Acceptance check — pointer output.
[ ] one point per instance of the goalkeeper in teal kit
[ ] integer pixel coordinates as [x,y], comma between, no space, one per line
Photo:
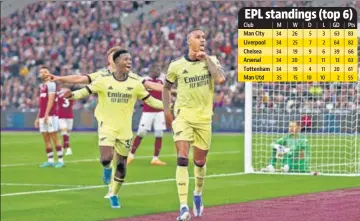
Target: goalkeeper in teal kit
[292,150]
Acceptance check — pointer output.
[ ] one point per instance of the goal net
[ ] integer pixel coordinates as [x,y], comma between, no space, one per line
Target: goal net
[328,116]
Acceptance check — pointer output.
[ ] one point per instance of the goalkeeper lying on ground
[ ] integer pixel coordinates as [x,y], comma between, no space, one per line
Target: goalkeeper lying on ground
[292,150]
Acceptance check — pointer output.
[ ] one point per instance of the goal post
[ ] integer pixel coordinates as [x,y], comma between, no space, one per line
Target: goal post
[248,167]
[328,114]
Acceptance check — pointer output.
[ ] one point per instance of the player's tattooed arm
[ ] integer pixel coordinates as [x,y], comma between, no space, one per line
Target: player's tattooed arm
[215,70]
[166,96]
[174,92]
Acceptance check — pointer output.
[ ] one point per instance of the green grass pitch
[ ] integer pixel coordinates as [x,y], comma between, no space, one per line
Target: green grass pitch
[76,191]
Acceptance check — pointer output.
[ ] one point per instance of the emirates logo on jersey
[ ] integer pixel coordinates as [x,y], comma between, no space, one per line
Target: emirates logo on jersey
[129,88]
[110,88]
[185,72]
[119,97]
[197,81]
[43,94]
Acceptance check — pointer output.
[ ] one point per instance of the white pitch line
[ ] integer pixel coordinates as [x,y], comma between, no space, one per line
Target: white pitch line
[93,160]
[39,184]
[19,142]
[30,164]
[102,186]
[31,142]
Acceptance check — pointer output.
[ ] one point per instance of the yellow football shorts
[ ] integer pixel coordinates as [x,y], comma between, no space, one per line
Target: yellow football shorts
[108,137]
[198,134]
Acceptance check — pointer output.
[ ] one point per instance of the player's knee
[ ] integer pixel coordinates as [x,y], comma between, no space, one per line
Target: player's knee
[142,132]
[48,146]
[121,170]
[182,161]
[158,133]
[199,163]
[64,132]
[105,162]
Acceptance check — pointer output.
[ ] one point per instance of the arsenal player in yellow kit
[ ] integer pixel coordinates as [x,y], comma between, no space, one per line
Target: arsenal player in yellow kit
[117,94]
[195,74]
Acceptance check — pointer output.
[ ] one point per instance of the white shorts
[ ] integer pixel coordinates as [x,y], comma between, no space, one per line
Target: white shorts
[148,119]
[66,123]
[51,126]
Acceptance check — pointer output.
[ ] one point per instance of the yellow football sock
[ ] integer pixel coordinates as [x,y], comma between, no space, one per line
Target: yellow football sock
[199,173]
[116,185]
[182,182]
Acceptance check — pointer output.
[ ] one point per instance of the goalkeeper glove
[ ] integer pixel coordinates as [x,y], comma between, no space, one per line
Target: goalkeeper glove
[280,150]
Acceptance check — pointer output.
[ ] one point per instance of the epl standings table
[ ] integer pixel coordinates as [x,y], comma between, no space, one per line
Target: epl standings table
[297,44]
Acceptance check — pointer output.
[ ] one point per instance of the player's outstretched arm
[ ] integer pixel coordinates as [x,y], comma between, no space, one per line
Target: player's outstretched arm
[153,102]
[144,95]
[153,86]
[78,94]
[75,79]
[215,70]
[95,87]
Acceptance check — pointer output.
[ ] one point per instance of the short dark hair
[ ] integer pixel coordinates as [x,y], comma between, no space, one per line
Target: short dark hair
[118,53]
[113,49]
[194,29]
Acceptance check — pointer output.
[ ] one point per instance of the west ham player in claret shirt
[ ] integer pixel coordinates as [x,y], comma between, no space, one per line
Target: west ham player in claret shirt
[47,120]
[65,112]
[151,117]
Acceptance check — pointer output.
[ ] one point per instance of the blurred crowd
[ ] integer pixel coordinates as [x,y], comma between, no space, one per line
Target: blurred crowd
[73,37]
[306,97]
